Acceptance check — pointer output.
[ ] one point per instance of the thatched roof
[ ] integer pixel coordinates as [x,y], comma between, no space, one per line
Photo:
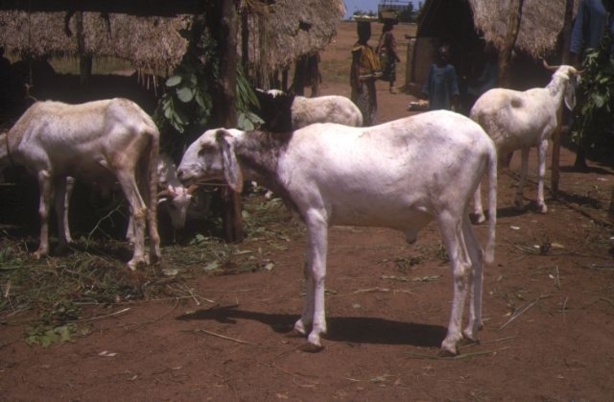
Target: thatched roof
[301,27]
[291,28]
[147,42]
[540,26]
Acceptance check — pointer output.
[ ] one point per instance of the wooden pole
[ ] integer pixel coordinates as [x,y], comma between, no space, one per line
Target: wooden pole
[233,220]
[556,136]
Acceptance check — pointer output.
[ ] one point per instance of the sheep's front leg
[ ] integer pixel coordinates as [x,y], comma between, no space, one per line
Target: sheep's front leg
[541,172]
[524,167]
[46,194]
[315,274]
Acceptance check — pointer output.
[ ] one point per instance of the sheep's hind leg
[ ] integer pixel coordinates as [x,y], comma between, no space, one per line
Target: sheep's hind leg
[452,232]
[474,323]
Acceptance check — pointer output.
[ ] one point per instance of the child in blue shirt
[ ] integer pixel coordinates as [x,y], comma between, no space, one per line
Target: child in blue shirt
[441,86]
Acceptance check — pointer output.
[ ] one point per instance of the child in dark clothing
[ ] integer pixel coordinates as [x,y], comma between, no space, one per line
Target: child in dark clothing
[441,86]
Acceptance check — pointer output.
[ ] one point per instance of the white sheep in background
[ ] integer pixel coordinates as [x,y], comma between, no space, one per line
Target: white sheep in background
[103,142]
[400,175]
[286,112]
[523,120]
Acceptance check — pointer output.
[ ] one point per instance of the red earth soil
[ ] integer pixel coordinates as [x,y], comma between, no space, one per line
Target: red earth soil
[548,309]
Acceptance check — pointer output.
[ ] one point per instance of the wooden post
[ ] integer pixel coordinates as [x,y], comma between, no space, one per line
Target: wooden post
[556,136]
[223,22]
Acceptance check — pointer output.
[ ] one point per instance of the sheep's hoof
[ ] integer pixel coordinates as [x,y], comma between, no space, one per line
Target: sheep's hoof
[311,348]
[469,341]
[445,352]
[477,218]
[295,334]
[38,254]
[449,346]
[135,263]
[542,208]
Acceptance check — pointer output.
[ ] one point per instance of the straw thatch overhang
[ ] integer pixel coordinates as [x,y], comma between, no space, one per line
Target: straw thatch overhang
[146,42]
[279,31]
[466,20]
[160,8]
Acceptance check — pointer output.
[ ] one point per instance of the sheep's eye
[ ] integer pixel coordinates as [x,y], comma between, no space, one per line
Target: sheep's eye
[205,149]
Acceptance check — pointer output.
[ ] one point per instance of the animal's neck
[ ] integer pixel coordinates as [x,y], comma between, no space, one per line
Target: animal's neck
[556,87]
[258,154]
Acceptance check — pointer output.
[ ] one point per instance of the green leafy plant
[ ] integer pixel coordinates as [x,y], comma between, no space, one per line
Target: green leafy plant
[189,97]
[596,96]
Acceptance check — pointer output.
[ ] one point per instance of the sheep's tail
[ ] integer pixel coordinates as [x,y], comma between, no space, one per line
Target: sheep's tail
[489,254]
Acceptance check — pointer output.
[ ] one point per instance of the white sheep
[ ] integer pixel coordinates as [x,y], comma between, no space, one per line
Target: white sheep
[103,142]
[400,175]
[523,120]
[286,112]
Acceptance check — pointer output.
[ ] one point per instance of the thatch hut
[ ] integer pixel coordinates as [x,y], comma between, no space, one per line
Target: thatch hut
[464,24]
[277,34]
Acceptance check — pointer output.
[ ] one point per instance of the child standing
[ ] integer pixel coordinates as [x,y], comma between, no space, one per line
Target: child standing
[441,86]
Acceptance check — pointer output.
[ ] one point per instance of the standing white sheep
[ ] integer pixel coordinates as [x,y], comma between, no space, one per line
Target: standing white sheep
[524,120]
[401,175]
[282,111]
[103,142]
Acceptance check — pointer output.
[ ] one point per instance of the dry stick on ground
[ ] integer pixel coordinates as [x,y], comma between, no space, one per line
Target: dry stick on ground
[117,208]
[521,311]
[102,317]
[457,357]
[204,331]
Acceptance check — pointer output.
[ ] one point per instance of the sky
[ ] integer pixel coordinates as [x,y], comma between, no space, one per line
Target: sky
[368,5]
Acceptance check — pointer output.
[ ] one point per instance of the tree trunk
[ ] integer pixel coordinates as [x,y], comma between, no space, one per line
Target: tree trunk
[556,137]
[505,53]
[223,23]
[85,60]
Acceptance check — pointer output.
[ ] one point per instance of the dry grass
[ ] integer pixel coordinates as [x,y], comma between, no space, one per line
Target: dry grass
[50,293]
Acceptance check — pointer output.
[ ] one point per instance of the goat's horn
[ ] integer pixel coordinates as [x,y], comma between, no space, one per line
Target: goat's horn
[548,66]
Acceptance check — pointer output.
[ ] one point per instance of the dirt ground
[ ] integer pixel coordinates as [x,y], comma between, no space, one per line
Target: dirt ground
[548,309]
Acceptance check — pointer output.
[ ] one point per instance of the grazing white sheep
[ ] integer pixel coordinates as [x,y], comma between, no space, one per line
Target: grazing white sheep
[174,196]
[400,175]
[103,142]
[286,112]
[524,120]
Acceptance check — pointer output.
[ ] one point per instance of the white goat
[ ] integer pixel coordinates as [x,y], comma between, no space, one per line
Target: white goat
[102,141]
[400,175]
[523,120]
[286,112]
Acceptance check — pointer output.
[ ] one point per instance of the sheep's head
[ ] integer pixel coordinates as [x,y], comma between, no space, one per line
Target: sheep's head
[212,157]
[275,110]
[570,75]
[177,200]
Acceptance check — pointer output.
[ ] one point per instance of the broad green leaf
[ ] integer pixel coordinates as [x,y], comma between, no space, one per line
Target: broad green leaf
[173,81]
[185,94]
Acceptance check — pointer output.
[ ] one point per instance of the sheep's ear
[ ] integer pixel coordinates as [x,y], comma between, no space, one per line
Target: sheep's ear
[570,92]
[232,169]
